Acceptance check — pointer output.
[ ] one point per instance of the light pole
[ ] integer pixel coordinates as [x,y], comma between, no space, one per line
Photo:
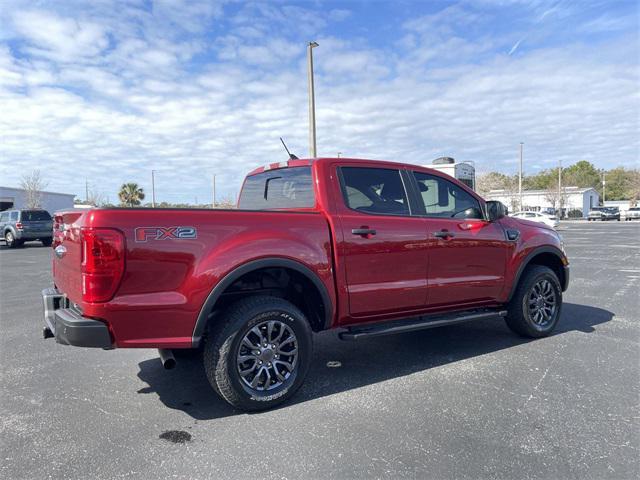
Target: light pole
[560,188]
[604,182]
[520,176]
[153,189]
[312,101]
[214,191]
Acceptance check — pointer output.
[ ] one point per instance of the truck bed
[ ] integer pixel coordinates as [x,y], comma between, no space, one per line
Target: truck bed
[167,278]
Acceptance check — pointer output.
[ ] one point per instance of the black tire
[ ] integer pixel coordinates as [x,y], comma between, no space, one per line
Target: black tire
[10,239]
[224,344]
[520,318]
[47,242]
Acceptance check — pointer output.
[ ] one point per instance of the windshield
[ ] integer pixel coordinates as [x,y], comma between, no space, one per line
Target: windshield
[35,216]
[278,189]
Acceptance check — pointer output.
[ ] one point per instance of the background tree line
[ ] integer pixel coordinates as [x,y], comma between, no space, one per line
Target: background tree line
[621,183]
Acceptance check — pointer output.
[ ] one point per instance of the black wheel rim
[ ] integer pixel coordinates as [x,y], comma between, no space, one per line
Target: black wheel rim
[542,303]
[268,355]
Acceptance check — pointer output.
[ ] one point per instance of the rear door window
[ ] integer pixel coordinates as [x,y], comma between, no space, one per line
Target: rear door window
[374,190]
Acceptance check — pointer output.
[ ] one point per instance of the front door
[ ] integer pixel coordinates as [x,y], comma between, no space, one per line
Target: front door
[467,254]
[383,246]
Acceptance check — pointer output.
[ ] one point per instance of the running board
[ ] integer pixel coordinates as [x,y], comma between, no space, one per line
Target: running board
[420,323]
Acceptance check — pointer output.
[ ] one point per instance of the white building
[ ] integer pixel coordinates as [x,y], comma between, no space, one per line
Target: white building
[50,201]
[574,198]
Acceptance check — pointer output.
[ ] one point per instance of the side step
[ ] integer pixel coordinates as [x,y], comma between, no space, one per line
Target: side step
[419,323]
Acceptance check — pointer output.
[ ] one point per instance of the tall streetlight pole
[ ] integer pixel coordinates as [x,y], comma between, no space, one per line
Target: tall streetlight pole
[312,101]
[604,182]
[560,188]
[153,189]
[214,191]
[520,176]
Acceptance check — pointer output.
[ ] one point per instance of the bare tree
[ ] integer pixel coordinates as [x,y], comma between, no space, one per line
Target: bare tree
[33,184]
[557,199]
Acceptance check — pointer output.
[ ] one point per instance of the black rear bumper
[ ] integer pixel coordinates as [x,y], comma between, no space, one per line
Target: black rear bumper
[69,327]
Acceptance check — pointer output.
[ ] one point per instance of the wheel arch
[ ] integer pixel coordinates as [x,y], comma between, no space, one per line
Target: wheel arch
[255,266]
[546,256]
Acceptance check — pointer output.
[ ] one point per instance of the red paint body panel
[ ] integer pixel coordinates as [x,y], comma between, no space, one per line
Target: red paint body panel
[402,270]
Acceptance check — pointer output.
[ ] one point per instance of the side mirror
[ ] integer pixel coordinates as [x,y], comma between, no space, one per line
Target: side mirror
[496,210]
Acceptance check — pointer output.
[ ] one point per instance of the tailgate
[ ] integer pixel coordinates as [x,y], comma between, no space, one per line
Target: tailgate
[67,254]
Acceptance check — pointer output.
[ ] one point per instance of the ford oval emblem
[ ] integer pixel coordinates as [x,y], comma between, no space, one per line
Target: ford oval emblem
[60,251]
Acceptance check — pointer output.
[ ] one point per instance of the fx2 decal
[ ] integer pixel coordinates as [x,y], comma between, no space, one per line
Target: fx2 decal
[165,233]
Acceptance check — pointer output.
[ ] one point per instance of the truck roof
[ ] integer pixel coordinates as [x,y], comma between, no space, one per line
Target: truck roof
[308,161]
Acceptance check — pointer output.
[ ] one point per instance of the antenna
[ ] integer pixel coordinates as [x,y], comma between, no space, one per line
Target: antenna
[291,155]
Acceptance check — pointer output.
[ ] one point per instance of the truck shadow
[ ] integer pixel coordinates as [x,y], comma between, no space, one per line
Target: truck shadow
[362,363]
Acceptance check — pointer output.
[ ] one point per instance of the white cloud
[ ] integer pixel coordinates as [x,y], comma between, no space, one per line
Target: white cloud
[59,38]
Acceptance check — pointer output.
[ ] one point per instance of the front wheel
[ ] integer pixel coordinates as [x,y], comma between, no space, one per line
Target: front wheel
[536,305]
[258,352]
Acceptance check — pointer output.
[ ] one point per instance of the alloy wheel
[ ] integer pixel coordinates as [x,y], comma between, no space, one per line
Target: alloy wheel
[268,355]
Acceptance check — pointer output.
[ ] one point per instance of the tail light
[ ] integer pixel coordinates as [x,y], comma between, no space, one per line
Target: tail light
[19,225]
[102,263]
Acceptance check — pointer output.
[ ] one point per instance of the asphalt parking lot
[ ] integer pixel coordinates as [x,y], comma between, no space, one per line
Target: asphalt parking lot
[465,401]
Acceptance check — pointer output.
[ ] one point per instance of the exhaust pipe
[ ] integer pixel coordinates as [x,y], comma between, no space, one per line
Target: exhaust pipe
[167,358]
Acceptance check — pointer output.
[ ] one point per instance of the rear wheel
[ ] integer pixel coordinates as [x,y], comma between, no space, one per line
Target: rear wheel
[10,239]
[536,305]
[258,352]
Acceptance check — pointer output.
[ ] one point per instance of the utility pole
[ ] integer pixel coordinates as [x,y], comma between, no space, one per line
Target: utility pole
[604,182]
[86,190]
[312,101]
[153,189]
[214,191]
[520,176]
[560,187]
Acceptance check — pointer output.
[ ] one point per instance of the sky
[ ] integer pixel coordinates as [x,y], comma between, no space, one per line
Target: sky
[106,91]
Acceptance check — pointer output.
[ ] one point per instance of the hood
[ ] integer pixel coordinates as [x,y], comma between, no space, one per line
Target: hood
[529,223]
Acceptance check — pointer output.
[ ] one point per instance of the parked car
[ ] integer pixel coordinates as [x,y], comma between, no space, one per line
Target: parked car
[368,247]
[610,213]
[550,220]
[19,226]
[632,214]
[595,213]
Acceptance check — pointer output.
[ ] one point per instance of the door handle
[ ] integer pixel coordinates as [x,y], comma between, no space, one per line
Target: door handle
[444,234]
[363,231]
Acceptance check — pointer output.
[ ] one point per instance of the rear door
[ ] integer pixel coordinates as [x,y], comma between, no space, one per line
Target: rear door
[467,254]
[383,246]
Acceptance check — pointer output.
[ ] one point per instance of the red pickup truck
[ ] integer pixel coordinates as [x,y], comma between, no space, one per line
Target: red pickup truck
[368,247]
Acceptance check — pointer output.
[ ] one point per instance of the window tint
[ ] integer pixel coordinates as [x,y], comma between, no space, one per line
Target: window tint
[4,217]
[282,188]
[374,190]
[14,216]
[444,199]
[35,216]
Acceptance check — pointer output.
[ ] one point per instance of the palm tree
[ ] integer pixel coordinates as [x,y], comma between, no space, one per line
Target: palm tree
[130,194]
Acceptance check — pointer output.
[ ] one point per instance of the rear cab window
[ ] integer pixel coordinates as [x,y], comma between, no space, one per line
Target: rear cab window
[281,189]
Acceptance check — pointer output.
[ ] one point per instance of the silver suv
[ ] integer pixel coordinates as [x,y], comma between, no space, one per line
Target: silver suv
[19,226]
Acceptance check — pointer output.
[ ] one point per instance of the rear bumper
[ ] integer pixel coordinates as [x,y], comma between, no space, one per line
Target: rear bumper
[69,327]
[22,235]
